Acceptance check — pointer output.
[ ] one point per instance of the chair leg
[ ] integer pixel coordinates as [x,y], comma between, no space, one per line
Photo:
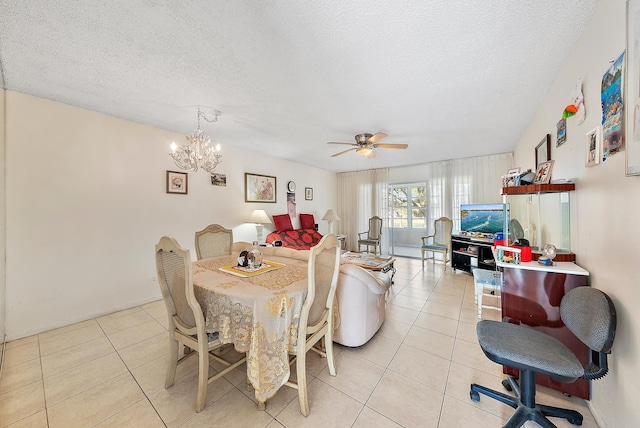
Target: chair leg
[173,361]
[203,375]
[301,374]
[524,403]
[328,338]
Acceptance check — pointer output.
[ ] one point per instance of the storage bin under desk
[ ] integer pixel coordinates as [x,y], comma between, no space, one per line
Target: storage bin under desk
[531,296]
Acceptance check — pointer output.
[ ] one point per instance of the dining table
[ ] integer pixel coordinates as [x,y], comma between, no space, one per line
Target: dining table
[257,311]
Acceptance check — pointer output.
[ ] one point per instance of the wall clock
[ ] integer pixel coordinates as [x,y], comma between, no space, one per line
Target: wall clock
[291,186]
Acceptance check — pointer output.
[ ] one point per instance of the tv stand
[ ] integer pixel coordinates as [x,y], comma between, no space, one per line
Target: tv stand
[468,253]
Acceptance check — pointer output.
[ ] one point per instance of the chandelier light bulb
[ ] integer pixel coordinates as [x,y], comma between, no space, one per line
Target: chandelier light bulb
[174,147]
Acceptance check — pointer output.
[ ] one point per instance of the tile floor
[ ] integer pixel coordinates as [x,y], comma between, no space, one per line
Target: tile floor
[109,372]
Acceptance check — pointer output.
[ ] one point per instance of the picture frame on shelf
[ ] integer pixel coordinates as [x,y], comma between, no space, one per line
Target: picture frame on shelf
[260,188]
[308,194]
[177,182]
[543,151]
[514,171]
[543,173]
[594,149]
[632,90]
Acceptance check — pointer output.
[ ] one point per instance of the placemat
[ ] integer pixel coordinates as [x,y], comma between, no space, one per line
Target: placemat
[236,270]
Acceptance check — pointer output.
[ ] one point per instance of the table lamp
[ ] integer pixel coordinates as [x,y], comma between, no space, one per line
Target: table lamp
[259,217]
[331,217]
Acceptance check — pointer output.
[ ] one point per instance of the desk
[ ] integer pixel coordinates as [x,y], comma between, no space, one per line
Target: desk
[258,315]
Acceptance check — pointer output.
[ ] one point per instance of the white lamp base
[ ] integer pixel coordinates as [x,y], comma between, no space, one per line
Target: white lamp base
[259,228]
[330,226]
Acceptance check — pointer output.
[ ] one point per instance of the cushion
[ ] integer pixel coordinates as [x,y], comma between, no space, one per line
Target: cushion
[282,222]
[307,221]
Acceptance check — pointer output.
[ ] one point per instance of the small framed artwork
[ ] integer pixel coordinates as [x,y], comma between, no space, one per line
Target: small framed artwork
[177,182]
[514,171]
[308,194]
[562,132]
[543,174]
[259,188]
[543,151]
[593,147]
[218,179]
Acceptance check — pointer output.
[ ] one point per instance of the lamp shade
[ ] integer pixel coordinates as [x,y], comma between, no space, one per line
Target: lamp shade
[259,216]
[331,216]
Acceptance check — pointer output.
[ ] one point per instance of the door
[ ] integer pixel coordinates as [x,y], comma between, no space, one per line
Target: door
[407,218]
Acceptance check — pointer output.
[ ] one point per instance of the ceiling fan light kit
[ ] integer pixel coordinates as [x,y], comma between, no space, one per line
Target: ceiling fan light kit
[365,143]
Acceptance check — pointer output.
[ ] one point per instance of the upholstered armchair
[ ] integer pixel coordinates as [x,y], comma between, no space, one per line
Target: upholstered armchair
[440,240]
[371,238]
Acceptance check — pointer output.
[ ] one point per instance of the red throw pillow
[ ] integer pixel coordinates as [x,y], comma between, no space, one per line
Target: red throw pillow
[307,221]
[282,222]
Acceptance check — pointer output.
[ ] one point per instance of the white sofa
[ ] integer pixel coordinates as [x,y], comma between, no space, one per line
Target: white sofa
[362,301]
[361,293]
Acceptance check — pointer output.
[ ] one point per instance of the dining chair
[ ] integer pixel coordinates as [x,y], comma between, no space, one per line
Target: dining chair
[371,237]
[213,241]
[316,319]
[440,240]
[186,319]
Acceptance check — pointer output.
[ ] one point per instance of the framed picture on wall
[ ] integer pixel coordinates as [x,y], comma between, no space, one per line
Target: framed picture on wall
[543,150]
[593,147]
[562,131]
[308,194]
[259,188]
[177,182]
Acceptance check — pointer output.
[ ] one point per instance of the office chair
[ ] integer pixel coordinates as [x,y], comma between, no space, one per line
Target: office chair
[589,314]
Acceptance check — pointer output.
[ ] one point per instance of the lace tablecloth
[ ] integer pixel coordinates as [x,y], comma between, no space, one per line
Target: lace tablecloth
[259,315]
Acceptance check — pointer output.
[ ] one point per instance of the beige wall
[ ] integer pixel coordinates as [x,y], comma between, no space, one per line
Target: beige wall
[605,236]
[3,282]
[86,204]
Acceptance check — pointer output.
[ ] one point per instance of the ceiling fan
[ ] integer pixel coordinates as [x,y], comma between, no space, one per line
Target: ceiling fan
[365,143]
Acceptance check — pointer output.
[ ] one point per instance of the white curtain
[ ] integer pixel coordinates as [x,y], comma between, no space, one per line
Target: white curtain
[464,181]
[362,195]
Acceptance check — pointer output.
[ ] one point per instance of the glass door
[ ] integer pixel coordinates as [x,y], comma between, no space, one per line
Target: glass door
[407,218]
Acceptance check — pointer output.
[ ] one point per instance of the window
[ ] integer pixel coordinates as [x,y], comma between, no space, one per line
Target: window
[408,206]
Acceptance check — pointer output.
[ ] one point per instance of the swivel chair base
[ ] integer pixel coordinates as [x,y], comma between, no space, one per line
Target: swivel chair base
[524,403]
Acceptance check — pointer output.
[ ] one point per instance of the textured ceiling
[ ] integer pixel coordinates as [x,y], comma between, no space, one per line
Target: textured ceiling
[452,78]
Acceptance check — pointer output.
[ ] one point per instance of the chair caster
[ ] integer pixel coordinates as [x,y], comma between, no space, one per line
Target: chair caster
[507,385]
[575,421]
[475,396]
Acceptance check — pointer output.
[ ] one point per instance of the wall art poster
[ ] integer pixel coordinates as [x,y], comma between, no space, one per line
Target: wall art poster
[562,131]
[632,89]
[612,108]
[291,204]
[218,179]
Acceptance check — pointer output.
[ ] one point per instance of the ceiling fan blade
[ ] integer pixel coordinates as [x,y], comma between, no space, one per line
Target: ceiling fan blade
[390,146]
[341,153]
[348,144]
[374,138]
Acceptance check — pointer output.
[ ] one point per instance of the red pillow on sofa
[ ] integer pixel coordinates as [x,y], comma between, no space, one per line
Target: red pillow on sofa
[282,222]
[307,221]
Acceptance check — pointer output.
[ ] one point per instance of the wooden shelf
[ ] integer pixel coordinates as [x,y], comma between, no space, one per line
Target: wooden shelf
[538,188]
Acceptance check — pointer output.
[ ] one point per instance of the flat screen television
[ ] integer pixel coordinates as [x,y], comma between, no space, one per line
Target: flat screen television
[485,219]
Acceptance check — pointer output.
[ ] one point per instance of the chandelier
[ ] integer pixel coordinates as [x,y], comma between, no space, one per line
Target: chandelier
[197,152]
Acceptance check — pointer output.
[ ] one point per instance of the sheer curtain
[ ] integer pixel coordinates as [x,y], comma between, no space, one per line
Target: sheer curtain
[362,195]
[464,181]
